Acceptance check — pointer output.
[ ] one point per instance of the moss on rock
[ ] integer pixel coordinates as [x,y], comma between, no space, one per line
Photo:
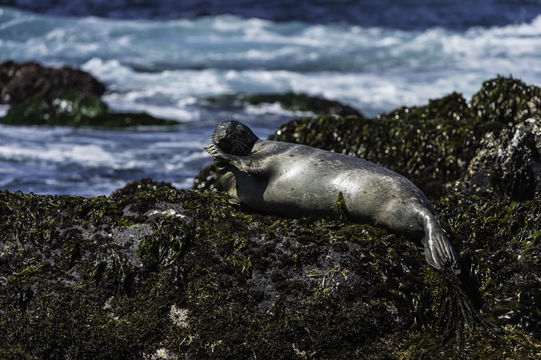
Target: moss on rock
[505,101]
[508,164]
[73,108]
[19,82]
[153,270]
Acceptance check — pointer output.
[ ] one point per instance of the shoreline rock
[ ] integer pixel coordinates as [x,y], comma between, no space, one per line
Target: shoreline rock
[41,95]
[152,269]
[19,82]
[289,101]
[72,108]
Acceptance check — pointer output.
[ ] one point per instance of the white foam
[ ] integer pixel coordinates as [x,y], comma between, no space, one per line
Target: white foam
[383,67]
[90,155]
[274,109]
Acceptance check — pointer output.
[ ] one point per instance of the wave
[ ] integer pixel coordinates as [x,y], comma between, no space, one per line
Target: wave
[166,66]
[229,42]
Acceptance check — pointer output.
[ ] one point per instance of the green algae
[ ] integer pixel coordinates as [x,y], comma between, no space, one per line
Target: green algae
[72,108]
[504,101]
[249,285]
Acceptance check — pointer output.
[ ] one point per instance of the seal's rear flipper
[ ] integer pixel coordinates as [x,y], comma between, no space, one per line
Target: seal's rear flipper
[439,252]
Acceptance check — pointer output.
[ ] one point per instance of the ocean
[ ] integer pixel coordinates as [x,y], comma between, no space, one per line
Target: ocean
[168,59]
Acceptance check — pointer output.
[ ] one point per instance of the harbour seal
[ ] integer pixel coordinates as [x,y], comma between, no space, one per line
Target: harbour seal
[299,180]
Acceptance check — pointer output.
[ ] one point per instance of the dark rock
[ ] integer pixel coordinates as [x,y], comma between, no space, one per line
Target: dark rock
[154,269]
[72,108]
[508,164]
[288,101]
[505,101]
[19,82]
[302,102]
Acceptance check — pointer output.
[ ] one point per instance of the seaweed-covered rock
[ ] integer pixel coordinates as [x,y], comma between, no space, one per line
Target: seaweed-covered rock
[73,108]
[302,102]
[154,271]
[288,101]
[508,164]
[505,101]
[19,82]
[207,180]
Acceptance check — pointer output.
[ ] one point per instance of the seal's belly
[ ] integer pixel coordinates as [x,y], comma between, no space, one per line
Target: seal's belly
[306,191]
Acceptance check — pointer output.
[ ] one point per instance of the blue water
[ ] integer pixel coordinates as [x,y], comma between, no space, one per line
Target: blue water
[167,59]
[398,14]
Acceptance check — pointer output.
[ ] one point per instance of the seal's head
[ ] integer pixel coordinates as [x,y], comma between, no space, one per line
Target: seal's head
[234,138]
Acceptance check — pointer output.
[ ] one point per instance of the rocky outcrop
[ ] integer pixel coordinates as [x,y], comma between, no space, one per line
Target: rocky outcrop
[73,108]
[302,102]
[61,97]
[508,164]
[288,101]
[19,82]
[153,270]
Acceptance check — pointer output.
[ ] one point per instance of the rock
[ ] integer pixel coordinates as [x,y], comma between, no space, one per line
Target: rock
[19,82]
[508,164]
[288,101]
[302,102]
[155,270]
[72,108]
[207,180]
[505,101]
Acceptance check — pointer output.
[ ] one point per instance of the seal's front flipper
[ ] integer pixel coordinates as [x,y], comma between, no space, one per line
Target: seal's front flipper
[215,151]
[247,165]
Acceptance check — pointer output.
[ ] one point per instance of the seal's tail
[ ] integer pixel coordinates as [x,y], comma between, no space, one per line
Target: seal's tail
[439,252]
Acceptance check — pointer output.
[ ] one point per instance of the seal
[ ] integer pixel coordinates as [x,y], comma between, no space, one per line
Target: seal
[298,180]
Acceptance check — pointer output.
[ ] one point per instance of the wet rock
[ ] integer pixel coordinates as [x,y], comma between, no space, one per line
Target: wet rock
[288,101]
[73,108]
[302,102]
[207,180]
[505,101]
[508,164]
[19,82]
[155,270]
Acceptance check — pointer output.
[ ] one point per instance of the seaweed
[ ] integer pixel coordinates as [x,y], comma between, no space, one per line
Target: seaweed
[154,270]
[73,108]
